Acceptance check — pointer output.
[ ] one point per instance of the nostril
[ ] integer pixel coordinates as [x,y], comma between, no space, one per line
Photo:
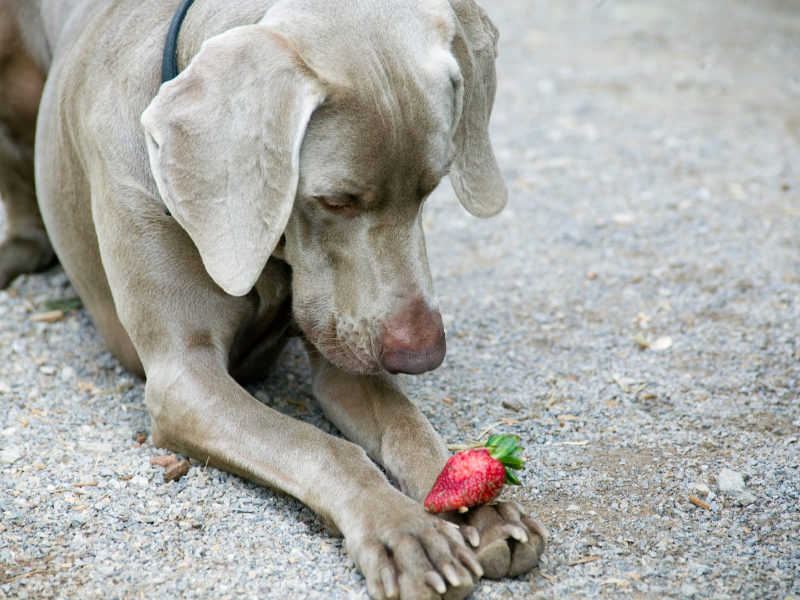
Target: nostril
[414,362]
[414,341]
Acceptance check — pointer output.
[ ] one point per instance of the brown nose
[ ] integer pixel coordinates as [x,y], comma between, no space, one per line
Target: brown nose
[413,341]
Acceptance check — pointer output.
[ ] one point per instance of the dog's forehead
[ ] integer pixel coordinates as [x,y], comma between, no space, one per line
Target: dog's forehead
[344,39]
[344,18]
[389,73]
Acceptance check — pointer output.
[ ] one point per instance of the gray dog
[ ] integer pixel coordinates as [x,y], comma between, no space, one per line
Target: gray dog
[273,188]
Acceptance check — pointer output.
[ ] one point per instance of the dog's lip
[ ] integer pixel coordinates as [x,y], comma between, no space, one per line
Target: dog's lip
[338,351]
[349,361]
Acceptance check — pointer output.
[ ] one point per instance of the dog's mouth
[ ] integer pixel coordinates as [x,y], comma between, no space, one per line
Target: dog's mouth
[349,346]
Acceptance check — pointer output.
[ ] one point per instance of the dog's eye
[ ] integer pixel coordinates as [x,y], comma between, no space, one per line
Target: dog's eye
[346,204]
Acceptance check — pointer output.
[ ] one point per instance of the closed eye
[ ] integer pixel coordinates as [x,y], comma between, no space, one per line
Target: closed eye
[343,204]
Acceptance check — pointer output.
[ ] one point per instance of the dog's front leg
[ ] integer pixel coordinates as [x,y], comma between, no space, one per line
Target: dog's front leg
[374,412]
[403,552]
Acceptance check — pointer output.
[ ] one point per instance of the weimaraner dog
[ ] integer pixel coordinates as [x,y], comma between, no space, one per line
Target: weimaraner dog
[273,188]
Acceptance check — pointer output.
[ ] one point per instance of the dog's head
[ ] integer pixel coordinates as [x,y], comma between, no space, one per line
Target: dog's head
[317,134]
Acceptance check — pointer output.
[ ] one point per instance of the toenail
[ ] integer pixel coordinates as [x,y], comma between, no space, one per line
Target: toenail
[436,582]
[450,573]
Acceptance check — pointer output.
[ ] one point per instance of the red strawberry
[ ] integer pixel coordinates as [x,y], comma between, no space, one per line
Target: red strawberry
[476,476]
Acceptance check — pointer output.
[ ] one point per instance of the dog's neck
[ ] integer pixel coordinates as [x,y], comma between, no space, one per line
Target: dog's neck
[169,64]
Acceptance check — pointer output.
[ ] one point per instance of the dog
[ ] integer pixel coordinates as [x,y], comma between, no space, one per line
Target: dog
[272,189]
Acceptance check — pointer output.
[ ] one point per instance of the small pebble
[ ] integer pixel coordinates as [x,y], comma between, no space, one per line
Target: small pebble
[746,498]
[10,455]
[95,447]
[730,482]
[164,461]
[176,470]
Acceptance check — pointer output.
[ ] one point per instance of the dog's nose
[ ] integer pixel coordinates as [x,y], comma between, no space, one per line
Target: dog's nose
[413,341]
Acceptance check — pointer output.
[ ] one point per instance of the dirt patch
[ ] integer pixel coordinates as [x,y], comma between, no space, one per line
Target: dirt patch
[616,479]
[622,461]
[27,570]
[778,425]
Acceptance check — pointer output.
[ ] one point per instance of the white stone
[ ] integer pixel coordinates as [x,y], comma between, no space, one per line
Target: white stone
[10,455]
[67,374]
[746,498]
[623,219]
[48,370]
[94,447]
[574,508]
[4,388]
[730,482]
[702,489]
[662,343]
[140,481]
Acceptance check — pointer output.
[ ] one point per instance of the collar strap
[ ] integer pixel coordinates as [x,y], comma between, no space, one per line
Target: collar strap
[169,64]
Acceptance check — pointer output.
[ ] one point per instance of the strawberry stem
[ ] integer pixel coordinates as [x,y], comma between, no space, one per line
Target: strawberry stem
[506,449]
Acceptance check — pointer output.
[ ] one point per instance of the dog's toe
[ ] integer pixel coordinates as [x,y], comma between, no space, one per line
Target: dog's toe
[510,542]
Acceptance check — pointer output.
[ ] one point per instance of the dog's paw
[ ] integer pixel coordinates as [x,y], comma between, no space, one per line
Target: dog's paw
[20,255]
[409,554]
[507,541]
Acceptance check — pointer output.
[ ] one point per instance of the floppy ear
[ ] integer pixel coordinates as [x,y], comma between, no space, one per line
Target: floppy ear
[224,142]
[474,173]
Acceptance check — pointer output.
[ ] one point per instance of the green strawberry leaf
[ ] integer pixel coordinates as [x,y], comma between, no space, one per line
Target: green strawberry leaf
[506,446]
[512,462]
[506,449]
[492,441]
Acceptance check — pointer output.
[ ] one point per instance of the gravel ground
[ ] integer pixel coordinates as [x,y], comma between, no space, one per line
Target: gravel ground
[633,316]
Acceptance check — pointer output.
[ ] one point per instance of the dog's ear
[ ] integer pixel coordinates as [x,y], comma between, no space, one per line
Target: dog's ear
[475,174]
[224,142]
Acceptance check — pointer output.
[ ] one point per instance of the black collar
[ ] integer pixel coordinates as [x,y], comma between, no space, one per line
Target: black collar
[169,64]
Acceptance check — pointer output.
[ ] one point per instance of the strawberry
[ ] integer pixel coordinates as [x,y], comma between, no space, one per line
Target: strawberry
[476,476]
